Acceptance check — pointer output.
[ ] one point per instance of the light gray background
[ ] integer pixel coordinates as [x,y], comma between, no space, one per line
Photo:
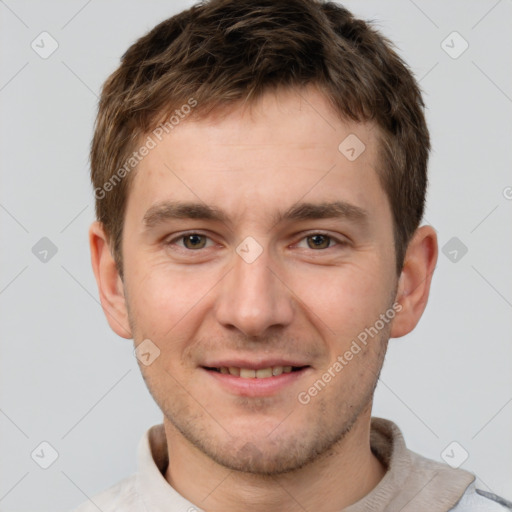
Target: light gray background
[68,380]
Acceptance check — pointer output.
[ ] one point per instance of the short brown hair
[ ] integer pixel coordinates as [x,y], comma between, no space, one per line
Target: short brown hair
[221,52]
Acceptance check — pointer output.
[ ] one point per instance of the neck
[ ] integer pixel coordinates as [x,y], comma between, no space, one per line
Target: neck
[335,480]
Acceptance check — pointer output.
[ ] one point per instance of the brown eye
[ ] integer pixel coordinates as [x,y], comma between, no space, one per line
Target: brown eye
[319,241]
[193,241]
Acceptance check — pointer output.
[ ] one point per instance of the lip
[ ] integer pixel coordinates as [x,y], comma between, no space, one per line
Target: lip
[253,364]
[254,387]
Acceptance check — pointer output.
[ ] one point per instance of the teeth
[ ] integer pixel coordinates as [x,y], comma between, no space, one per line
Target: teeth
[262,373]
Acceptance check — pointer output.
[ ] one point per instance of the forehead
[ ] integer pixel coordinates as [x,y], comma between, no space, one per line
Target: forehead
[263,157]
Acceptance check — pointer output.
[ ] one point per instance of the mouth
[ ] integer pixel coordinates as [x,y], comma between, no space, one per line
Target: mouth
[252,373]
[259,381]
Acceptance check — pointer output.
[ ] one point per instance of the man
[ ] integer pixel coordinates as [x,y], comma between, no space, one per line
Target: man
[259,169]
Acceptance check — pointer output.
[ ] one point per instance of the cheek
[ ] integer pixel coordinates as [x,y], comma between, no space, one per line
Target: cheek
[162,300]
[343,301]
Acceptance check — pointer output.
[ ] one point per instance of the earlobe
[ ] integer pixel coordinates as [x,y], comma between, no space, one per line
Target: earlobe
[415,279]
[110,285]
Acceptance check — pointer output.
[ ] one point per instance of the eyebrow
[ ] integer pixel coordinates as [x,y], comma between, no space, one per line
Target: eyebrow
[168,210]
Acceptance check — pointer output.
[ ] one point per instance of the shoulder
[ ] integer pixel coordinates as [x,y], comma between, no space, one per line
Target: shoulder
[121,497]
[476,500]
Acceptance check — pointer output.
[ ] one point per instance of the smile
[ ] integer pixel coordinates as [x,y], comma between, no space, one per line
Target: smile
[249,373]
[255,382]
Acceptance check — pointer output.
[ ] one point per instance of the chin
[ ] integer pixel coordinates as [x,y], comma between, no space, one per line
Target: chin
[263,462]
[266,456]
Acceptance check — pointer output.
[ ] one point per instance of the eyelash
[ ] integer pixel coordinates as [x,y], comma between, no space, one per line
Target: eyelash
[337,241]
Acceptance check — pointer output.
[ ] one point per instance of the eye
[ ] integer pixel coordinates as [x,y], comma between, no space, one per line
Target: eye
[191,241]
[321,241]
[194,241]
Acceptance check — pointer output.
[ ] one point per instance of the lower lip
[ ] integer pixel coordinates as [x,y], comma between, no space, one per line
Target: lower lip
[256,387]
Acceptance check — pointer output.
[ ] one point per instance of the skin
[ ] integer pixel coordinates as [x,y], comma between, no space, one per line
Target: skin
[294,300]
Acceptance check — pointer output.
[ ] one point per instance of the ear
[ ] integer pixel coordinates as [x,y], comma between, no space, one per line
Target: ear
[110,285]
[415,278]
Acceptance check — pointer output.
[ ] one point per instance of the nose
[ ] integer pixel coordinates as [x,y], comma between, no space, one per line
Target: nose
[253,297]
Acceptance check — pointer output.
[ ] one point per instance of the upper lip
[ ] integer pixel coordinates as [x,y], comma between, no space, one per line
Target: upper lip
[253,364]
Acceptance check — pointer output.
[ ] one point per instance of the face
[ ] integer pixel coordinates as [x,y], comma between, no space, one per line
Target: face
[252,244]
